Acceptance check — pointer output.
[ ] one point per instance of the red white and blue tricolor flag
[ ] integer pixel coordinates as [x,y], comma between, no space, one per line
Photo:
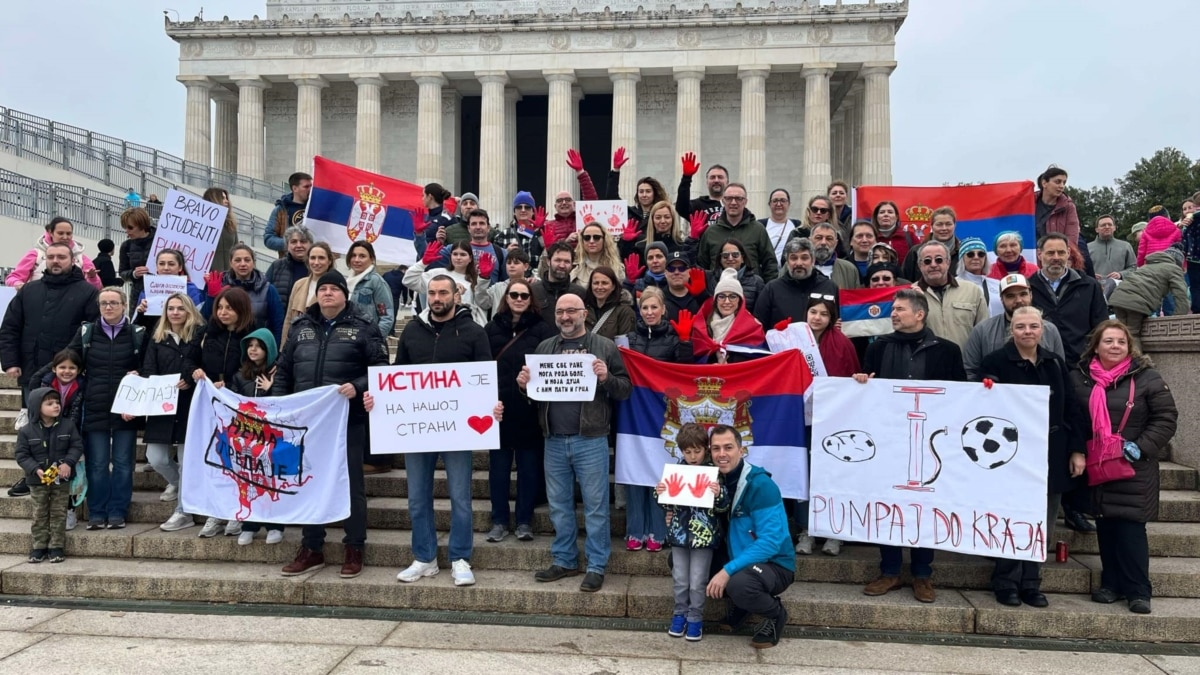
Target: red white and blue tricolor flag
[348,204]
[763,399]
[866,311]
[983,210]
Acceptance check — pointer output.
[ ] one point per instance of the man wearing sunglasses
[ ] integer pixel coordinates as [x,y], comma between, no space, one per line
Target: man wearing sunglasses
[685,290]
[941,229]
[736,222]
[954,308]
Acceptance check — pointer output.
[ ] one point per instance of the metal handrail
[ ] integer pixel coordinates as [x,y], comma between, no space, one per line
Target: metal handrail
[134,157]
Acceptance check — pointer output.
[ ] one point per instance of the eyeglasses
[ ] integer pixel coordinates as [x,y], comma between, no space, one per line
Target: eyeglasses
[727,297]
[593,237]
[779,201]
[677,269]
[563,200]
[731,255]
[821,296]
[936,260]
[523,207]
[515,295]
[111,303]
[975,254]
[735,200]
[570,311]
[818,209]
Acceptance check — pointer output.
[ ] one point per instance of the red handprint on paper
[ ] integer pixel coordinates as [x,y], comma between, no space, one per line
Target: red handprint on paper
[702,483]
[675,484]
[614,222]
[586,211]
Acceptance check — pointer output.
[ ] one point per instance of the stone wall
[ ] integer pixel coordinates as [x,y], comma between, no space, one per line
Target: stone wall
[1173,342]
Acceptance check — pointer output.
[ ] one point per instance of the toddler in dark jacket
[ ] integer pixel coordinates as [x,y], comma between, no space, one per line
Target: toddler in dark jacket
[47,450]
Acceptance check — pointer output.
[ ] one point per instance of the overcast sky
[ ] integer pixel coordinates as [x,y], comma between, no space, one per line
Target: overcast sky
[987,90]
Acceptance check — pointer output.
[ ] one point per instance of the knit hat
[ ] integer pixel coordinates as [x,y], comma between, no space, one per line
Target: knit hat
[971,244]
[523,198]
[1004,235]
[1176,253]
[1137,227]
[729,284]
[883,267]
[658,246]
[464,197]
[1011,280]
[334,277]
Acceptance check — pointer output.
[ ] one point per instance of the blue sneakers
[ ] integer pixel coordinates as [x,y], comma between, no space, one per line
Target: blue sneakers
[677,624]
[695,631]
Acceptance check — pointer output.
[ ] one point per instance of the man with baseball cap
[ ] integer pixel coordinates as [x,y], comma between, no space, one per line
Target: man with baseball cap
[991,335]
[687,288]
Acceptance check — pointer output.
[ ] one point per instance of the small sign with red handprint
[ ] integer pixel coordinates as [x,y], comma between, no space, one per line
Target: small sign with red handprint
[688,485]
[612,214]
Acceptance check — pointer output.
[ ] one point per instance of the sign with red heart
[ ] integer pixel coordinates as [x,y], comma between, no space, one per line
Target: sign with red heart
[434,408]
[480,424]
[154,395]
[168,407]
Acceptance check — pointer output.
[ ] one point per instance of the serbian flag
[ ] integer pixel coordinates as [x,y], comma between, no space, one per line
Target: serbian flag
[763,399]
[867,311]
[348,204]
[983,210]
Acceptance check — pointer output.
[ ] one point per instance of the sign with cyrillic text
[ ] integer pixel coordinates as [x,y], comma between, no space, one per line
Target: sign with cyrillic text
[154,395]
[434,408]
[561,377]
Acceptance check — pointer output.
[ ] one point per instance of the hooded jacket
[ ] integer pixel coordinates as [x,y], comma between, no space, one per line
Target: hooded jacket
[752,284]
[1063,219]
[1144,289]
[287,212]
[283,275]
[135,253]
[220,352]
[787,298]
[40,446]
[760,252]
[170,356]
[249,386]
[696,527]
[32,264]
[43,317]
[758,529]
[1160,234]
[509,343]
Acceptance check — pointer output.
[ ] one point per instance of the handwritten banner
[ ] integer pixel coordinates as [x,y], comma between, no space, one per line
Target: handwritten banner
[946,465]
[154,395]
[561,377]
[612,214]
[433,408]
[192,226]
[688,485]
[159,287]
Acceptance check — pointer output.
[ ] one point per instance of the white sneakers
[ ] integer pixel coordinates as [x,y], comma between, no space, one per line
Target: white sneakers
[71,520]
[460,570]
[177,521]
[211,528]
[420,569]
[170,494]
[804,543]
[246,538]
[274,536]
[832,547]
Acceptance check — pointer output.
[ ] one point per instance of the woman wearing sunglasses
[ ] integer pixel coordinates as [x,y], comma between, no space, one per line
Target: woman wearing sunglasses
[733,257]
[595,249]
[724,323]
[973,268]
[516,330]
[819,210]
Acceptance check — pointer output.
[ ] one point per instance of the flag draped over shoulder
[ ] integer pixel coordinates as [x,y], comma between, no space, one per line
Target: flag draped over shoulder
[349,204]
[867,311]
[763,399]
[272,459]
[983,210]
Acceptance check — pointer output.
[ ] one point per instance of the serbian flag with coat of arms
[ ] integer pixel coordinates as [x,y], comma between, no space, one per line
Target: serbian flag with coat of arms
[763,399]
[867,311]
[348,205]
[983,211]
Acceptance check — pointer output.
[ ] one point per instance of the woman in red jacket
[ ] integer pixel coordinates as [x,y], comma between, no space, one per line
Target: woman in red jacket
[1055,212]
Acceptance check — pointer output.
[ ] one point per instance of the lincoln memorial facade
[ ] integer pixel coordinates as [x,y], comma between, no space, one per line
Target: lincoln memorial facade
[488,95]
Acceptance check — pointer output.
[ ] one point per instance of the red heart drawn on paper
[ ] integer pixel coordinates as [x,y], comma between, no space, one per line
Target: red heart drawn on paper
[168,407]
[480,424]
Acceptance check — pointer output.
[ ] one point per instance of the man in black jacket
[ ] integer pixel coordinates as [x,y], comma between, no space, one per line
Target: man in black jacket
[333,344]
[558,282]
[787,297]
[716,178]
[912,352]
[443,333]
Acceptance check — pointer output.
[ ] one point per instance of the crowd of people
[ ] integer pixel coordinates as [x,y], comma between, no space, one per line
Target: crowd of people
[690,281]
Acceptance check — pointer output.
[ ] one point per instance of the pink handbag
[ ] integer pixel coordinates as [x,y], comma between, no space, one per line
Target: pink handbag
[1110,464]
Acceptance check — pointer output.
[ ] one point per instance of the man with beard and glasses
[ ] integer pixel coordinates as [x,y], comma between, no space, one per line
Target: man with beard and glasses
[954,308]
[825,257]
[715,179]
[787,297]
[557,282]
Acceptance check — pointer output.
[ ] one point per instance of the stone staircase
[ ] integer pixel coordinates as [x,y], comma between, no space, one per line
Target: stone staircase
[143,563]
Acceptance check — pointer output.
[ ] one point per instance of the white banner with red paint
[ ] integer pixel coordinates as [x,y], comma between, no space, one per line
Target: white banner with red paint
[955,466]
[441,407]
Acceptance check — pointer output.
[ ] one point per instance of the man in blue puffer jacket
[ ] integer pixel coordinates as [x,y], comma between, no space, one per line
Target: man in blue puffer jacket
[761,562]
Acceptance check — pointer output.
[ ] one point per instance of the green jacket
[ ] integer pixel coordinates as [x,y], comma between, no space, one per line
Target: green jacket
[753,236]
[1143,289]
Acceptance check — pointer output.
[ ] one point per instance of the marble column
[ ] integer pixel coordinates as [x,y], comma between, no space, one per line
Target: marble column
[817,169]
[624,125]
[308,119]
[429,126]
[493,137]
[877,124]
[576,97]
[451,138]
[837,143]
[752,165]
[225,130]
[252,152]
[854,137]
[511,96]
[687,117]
[559,134]
[197,130]
[367,129]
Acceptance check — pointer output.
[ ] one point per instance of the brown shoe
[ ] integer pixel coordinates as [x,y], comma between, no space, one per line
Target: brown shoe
[375,469]
[354,563]
[306,560]
[882,586]
[923,590]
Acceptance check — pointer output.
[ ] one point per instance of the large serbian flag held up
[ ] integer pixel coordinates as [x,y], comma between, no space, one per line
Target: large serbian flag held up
[763,399]
[983,210]
[348,205]
[867,311]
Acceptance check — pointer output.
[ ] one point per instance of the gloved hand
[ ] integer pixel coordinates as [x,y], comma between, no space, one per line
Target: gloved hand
[619,158]
[633,268]
[212,282]
[1132,452]
[633,230]
[487,264]
[690,165]
[432,253]
[539,218]
[574,160]
[696,281]
[418,216]
[450,205]
[683,325]
[783,324]
[699,221]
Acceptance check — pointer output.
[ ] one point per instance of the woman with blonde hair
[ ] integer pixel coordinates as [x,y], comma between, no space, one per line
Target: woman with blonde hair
[304,292]
[595,249]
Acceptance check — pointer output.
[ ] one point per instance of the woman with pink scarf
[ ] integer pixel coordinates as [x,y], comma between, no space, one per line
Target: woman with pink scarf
[1133,417]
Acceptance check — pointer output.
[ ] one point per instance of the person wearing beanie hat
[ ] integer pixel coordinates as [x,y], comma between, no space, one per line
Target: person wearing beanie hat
[337,279]
[1159,235]
[728,283]
[884,275]
[972,268]
[723,322]
[457,231]
[524,198]
[1009,248]
[524,229]
[1144,291]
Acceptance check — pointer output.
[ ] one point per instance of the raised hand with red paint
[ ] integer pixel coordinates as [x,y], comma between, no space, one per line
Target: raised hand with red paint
[418,216]
[633,268]
[212,282]
[697,283]
[690,165]
[783,324]
[619,158]
[539,218]
[683,325]
[633,230]
[574,160]
[487,264]
[699,221]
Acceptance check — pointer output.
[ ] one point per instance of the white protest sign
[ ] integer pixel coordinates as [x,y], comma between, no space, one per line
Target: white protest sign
[433,408]
[7,293]
[561,377]
[688,485]
[154,395]
[947,465]
[192,226]
[159,287]
[613,214]
[798,335]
